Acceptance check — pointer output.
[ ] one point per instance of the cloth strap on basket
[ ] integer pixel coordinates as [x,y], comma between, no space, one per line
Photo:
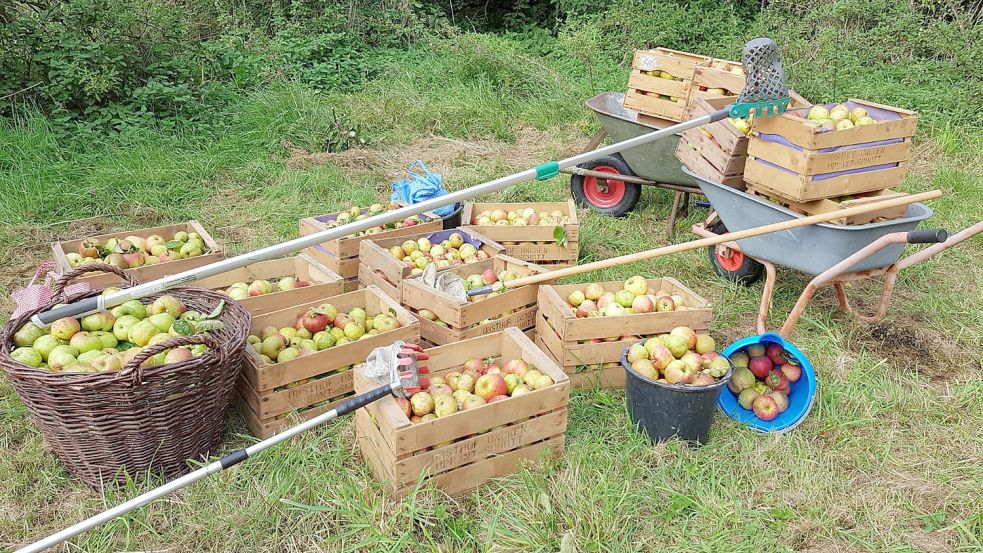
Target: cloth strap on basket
[421,185]
[34,296]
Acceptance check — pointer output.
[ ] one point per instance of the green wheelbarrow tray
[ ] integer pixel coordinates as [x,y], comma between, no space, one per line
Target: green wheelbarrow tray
[655,161]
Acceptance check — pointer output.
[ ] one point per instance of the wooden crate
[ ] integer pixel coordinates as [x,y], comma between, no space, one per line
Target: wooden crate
[530,243]
[790,172]
[568,339]
[341,254]
[647,93]
[826,205]
[488,442]
[324,283]
[515,307]
[377,267]
[726,147]
[689,154]
[144,273]
[274,395]
[713,74]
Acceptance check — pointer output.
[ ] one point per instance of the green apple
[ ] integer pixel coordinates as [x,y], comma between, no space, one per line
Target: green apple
[28,334]
[141,333]
[88,357]
[162,321]
[27,355]
[44,344]
[109,339]
[122,326]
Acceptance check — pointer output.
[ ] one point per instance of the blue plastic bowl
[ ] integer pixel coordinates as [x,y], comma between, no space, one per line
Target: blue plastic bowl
[800,399]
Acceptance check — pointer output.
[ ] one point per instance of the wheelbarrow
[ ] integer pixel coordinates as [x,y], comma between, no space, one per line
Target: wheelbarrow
[593,185]
[834,254]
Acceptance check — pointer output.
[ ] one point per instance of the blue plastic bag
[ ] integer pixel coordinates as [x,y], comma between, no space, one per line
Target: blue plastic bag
[420,187]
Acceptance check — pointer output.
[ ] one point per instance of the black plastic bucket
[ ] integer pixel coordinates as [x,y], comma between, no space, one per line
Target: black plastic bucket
[665,411]
[454,219]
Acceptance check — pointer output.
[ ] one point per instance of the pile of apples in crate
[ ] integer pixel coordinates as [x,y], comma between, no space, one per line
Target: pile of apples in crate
[134,251]
[838,117]
[682,356]
[477,280]
[448,253]
[635,297]
[108,340]
[480,381]
[259,287]
[527,216]
[763,379]
[318,329]
[356,214]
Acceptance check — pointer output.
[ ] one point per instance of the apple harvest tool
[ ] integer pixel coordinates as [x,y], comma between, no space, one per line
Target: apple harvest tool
[396,367]
[765,92]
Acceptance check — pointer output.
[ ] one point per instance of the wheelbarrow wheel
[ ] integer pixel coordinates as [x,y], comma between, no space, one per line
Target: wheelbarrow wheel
[617,198]
[737,268]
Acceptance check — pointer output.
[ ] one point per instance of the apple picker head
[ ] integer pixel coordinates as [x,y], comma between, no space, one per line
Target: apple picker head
[399,365]
[765,89]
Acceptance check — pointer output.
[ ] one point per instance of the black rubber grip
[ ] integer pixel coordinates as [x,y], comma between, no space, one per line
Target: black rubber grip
[720,114]
[233,458]
[928,236]
[81,307]
[356,402]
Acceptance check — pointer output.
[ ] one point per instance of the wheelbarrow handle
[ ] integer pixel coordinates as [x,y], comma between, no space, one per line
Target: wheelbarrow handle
[928,236]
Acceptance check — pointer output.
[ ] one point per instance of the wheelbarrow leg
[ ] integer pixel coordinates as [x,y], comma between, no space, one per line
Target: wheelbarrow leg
[599,137]
[671,225]
[766,293]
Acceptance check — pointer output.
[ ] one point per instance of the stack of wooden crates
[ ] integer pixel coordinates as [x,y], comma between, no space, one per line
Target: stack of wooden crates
[665,83]
[811,169]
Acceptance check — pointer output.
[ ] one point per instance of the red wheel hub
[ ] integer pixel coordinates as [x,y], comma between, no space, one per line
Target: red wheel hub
[732,263]
[604,196]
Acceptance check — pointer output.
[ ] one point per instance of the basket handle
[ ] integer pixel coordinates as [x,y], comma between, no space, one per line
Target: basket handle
[60,284]
[178,341]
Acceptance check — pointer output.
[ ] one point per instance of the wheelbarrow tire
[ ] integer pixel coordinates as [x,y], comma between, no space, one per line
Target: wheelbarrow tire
[739,268]
[620,197]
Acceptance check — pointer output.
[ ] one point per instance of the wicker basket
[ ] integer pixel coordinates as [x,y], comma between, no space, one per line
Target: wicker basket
[110,426]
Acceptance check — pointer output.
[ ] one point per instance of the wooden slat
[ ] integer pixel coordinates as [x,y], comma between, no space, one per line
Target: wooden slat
[810,163]
[800,132]
[825,206]
[265,428]
[802,189]
[494,442]
[725,163]
[696,163]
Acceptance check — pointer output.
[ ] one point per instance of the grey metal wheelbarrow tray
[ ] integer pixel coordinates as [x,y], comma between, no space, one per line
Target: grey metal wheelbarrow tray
[812,249]
[655,161]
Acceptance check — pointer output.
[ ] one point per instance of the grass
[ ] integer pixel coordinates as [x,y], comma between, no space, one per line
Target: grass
[888,460]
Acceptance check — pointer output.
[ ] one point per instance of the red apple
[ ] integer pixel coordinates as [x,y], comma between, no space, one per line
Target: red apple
[778,382]
[760,366]
[476,364]
[489,276]
[490,385]
[404,405]
[497,398]
[777,354]
[642,304]
[517,367]
[315,321]
[765,408]
[791,372]
[585,308]
[781,400]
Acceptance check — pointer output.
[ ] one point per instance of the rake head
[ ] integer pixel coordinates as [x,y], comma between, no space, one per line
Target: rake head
[765,90]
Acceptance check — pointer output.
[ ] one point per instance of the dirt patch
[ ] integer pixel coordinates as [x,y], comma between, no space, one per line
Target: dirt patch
[443,155]
[940,357]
